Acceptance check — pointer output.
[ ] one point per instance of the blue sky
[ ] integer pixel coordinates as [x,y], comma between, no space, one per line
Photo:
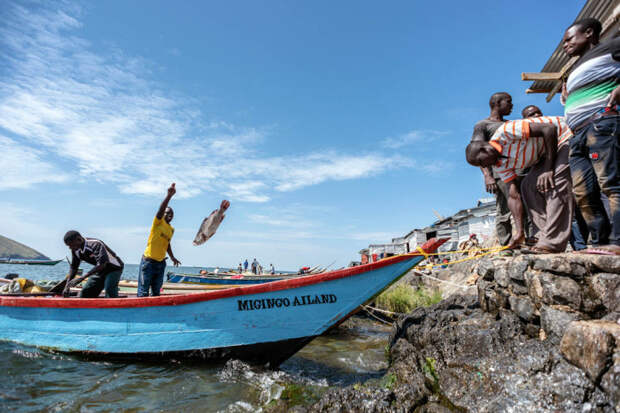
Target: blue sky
[328,125]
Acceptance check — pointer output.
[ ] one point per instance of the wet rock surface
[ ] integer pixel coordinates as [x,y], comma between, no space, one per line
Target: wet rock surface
[542,334]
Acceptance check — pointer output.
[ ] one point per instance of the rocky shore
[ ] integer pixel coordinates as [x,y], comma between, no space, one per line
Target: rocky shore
[536,334]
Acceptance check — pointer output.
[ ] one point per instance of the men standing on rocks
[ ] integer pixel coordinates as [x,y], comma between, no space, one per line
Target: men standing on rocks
[592,95]
[153,263]
[501,105]
[106,272]
[525,143]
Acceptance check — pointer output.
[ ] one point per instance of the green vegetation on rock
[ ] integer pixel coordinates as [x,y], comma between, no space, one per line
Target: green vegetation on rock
[403,298]
[388,381]
[298,395]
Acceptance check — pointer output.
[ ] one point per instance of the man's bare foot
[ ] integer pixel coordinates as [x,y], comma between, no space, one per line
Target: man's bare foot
[601,250]
[611,248]
[516,242]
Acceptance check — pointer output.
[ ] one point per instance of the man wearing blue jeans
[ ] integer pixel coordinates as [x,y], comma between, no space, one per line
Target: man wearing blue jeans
[592,95]
[153,263]
[106,272]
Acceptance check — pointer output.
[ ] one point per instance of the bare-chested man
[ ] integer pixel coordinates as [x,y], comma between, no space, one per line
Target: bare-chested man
[501,105]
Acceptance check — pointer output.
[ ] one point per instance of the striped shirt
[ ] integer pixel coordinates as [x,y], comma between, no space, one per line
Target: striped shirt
[518,149]
[593,78]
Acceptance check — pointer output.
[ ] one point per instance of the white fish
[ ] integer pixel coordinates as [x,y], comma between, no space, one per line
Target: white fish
[211,223]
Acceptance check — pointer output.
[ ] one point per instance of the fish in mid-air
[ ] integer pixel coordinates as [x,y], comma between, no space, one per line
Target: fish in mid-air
[210,224]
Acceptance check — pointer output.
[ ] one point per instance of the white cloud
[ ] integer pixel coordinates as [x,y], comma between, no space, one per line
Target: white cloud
[322,167]
[99,110]
[412,137]
[23,166]
[247,191]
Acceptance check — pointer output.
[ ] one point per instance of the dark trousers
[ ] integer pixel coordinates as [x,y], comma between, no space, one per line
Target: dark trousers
[551,211]
[150,276]
[503,225]
[579,230]
[96,283]
[594,164]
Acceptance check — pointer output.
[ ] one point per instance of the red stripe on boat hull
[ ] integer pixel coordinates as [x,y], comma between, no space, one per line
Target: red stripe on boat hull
[60,302]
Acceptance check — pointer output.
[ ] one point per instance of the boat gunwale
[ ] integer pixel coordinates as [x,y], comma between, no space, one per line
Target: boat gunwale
[172,300]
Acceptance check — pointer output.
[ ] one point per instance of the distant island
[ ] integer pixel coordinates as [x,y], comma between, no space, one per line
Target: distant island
[15,250]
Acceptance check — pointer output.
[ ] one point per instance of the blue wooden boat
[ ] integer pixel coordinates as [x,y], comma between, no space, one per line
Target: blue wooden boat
[219,280]
[264,323]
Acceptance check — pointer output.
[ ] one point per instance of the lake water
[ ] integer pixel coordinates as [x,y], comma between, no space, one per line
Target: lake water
[60,270]
[38,380]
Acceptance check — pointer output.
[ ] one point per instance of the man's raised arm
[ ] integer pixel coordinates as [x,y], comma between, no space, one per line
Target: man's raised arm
[164,204]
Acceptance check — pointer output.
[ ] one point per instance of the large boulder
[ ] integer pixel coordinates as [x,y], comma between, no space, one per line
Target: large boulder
[555,319]
[604,292]
[558,264]
[590,345]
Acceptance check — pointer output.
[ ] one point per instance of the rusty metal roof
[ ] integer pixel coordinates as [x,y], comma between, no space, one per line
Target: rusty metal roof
[603,10]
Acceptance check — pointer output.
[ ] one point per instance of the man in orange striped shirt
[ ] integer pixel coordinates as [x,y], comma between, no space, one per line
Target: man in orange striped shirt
[533,142]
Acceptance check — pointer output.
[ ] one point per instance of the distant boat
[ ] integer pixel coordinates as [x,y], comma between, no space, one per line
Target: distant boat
[28,262]
[238,279]
[263,324]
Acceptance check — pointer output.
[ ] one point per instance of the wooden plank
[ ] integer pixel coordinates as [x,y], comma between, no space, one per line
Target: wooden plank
[541,76]
[565,69]
[555,90]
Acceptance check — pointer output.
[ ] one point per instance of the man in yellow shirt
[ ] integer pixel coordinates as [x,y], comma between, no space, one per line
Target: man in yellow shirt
[153,263]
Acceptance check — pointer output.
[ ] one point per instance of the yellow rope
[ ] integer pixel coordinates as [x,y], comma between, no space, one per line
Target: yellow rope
[423,252]
[491,251]
[463,251]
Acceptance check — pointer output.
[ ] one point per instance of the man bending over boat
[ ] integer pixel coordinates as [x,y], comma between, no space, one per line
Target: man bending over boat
[106,272]
[153,263]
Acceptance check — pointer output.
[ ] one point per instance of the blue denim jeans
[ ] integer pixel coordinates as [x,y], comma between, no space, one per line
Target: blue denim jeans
[579,232]
[96,283]
[151,276]
[594,164]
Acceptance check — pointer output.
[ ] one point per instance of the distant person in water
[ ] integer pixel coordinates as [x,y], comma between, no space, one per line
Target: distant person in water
[106,272]
[153,263]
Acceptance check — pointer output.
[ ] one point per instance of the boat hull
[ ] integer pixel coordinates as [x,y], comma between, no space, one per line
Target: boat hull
[220,280]
[30,262]
[253,323]
[270,354]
